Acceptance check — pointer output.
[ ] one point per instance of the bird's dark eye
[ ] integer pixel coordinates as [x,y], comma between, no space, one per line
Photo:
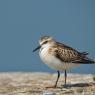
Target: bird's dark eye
[45,42]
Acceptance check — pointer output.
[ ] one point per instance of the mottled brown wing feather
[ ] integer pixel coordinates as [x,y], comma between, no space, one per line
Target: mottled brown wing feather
[68,54]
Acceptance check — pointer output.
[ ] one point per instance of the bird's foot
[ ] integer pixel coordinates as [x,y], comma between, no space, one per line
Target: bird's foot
[54,86]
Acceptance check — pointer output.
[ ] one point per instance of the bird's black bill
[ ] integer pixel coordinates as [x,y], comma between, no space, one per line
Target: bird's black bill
[37,48]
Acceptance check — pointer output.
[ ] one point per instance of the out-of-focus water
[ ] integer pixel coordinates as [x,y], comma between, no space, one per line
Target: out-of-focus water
[23,22]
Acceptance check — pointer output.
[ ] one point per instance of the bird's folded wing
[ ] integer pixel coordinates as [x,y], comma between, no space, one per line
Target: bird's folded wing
[68,54]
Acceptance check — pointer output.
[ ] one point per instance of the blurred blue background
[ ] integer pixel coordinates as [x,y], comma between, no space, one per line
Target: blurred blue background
[23,22]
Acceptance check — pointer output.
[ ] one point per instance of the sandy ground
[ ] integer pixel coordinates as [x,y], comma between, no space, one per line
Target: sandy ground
[36,83]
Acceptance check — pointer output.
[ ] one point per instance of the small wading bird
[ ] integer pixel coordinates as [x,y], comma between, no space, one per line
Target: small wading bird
[60,57]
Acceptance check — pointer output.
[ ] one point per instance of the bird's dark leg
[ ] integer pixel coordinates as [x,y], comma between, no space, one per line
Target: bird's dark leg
[65,78]
[58,75]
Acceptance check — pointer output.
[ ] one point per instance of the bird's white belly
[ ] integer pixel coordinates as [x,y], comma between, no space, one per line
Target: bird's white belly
[53,62]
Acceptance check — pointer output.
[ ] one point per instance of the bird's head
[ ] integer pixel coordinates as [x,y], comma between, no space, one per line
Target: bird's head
[45,41]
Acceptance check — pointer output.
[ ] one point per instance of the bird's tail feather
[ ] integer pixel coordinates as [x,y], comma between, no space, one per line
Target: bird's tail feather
[85,61]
